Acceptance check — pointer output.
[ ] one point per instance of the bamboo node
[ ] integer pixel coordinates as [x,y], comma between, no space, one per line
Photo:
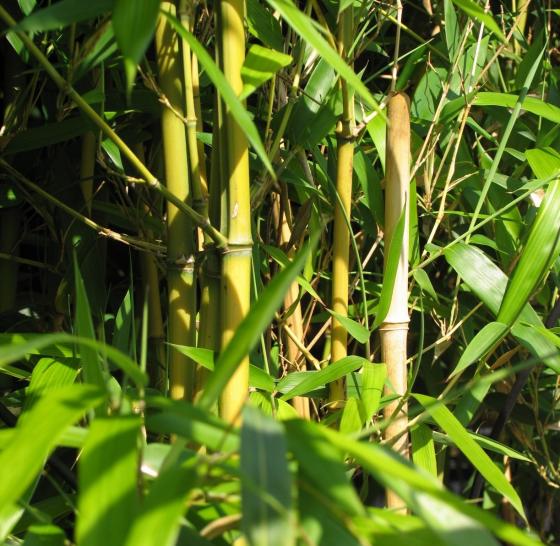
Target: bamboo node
[239,249]
[184,264]
[386,326]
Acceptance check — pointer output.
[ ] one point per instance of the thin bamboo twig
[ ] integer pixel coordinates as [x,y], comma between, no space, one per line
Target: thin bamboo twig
[394,329]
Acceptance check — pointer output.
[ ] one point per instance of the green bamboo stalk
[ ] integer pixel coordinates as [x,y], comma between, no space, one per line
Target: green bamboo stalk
[341,237]
[147,177]
[394,329]
[180,248]
[236,261]
[87,168]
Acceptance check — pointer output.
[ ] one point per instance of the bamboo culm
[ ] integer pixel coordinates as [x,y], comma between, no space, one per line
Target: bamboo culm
[394,329]
[180,245]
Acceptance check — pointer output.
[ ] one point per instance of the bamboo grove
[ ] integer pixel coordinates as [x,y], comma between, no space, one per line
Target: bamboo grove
[280,273]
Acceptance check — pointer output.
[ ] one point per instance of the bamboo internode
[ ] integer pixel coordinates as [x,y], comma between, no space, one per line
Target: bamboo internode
[394,329]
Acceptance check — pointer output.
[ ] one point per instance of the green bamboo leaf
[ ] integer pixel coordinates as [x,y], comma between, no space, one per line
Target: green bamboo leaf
[485,443]
[37,436]
[263,25]
[22,345]
[260,65]
[489,98]
[108,480]
[232,101]
[472,9]
[373,381]
[266,485]
[423,280]
[322,466]
[306,28]
[91,366]
[353,416]
[359,332]
[474,453]
[394,472]
[63,13]
[249,331]
[330,373]
[258,378]
[44,534]
[134,24]
[452,30]
[480,344]
[488,283]
[423,450]
[538,255]
[544,162]
[159,520]
[190,422]
[391,265]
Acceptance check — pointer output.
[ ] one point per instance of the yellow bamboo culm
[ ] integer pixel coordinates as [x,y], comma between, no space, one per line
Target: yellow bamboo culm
[180,260]
[236,262]
[341,243]
[394,329]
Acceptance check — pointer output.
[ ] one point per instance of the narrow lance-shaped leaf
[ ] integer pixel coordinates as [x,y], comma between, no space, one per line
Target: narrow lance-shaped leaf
[540,252]
[134,23]
[266,487]
[474,453]
[108,470]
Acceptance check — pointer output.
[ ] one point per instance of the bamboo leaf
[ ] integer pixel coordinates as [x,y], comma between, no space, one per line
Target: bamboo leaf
[391,267]
[330,373]
[306,28]
[249,331]
[423,450]
[240,114]
[260,65]
[472,9]
[37,436]
[91,366]
[60,344]
[390,470]
[134,23]
[474,453]
[480,344]
[359,332]
[352,416]
[159,520]
[44,534]
[488,282]
[63,13]
[540,252]
[108,500]
[544,162]
[266,488]
[321,464]
[373,381]
[258,378]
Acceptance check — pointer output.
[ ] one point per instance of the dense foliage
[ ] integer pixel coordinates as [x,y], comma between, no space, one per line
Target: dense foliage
[130,251]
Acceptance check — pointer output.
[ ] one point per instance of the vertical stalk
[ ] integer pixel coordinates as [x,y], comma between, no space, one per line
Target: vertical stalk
[394,329]
[87,168]
[236,263]
[341,237]
[180,260]
[294,321]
